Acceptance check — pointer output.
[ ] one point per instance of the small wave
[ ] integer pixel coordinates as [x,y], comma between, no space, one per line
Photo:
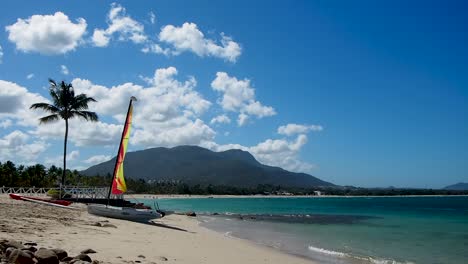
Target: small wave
[345,255]
[228,234]
[328,252]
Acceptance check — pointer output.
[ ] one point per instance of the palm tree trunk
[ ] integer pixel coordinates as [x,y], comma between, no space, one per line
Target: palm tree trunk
[65,153]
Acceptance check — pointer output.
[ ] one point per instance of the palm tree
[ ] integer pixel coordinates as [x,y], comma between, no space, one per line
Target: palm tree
[65,105]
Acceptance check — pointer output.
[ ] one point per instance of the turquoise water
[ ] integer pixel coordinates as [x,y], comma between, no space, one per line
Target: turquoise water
[344,230]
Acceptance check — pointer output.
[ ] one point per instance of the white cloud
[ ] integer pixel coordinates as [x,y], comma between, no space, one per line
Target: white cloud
[64,70]
[47,34]
[221,119]
[292,129]
[152,17]
[273,152]
[75,154]
[97,159]
[189,38]
[120,25]
[173,120]
[1,55]
[16,146]
[72,158]
[242,119]
[30,76]
[15,101]
[239,96]
[6,123]
[155,48]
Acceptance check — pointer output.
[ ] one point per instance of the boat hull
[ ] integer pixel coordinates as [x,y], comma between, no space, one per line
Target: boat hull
[125,213]
[27,198]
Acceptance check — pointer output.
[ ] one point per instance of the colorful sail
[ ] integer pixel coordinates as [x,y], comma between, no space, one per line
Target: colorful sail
[118,184]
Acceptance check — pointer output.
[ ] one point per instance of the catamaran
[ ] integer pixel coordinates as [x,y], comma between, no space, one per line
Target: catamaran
[118,186]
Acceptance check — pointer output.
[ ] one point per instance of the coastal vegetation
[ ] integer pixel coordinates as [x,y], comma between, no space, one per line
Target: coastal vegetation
[12,175]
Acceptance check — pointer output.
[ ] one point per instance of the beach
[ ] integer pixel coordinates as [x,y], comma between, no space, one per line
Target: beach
[173,239]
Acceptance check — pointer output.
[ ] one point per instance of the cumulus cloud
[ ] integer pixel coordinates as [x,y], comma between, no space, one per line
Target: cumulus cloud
[239,96]
[292,129]
[189,38]
[123,27]
[17,146]
[167,112]
[274,152]
[97,159]
[72,159]
[221,119]
[15,101]
[6,123]
[64,70]
[47,34]
[155,48]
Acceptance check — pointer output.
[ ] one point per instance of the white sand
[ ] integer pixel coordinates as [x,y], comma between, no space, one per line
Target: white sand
[178,238]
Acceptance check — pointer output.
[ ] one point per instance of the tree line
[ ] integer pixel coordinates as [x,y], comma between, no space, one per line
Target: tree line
[38,175]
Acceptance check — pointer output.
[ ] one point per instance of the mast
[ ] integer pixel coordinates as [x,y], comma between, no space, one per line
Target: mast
[117,158]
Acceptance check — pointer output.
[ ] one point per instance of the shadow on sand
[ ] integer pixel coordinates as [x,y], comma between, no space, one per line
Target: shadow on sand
[152,223]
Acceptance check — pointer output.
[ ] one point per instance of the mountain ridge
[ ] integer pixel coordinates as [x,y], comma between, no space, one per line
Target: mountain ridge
[197,165]
[461,186]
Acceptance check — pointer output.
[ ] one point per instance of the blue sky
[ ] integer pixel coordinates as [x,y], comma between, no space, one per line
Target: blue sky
[357,93]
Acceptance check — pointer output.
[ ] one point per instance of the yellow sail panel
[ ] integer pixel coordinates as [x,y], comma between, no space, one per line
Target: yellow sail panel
[119,186]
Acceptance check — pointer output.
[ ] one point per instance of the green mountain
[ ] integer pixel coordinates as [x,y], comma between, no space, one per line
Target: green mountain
[461,186]
[196,165]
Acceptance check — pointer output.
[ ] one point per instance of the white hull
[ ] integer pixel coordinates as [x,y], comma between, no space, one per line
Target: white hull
[126,213]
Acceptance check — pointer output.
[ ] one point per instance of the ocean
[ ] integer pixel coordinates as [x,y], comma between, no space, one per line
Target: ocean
[343,229]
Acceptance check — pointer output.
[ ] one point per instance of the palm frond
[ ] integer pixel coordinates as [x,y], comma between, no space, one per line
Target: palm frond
[52,83]
[55,94]
[46,107]
[49,119]
[87,115]
[81,102]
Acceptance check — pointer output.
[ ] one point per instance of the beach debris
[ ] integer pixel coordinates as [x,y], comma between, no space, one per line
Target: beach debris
[14,244]
[109,225]
[83,257]
[21,257]
[61,254]
[67,259]
[46,256]
[191,213]
[163,258]
[8,251]
[88,251]
[141,256]
[31,248]
[30,255]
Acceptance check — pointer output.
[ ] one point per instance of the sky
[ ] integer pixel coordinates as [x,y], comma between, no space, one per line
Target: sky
[366,93]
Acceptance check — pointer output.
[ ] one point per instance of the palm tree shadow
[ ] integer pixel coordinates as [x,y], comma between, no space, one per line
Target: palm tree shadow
[152,223]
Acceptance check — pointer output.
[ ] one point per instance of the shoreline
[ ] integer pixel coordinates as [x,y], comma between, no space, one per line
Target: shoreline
[188,196]
[176,238]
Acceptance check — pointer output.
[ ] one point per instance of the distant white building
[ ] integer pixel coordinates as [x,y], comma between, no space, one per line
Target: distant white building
[318,193]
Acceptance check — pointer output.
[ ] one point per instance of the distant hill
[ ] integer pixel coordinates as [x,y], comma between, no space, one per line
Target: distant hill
[196,165]
[459,186]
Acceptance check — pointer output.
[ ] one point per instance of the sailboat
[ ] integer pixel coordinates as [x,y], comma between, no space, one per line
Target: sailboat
[118,186]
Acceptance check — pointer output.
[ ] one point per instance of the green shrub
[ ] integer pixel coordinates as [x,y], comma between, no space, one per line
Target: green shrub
[56,194]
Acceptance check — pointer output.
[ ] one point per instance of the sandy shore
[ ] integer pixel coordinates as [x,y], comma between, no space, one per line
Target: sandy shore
[178,238]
